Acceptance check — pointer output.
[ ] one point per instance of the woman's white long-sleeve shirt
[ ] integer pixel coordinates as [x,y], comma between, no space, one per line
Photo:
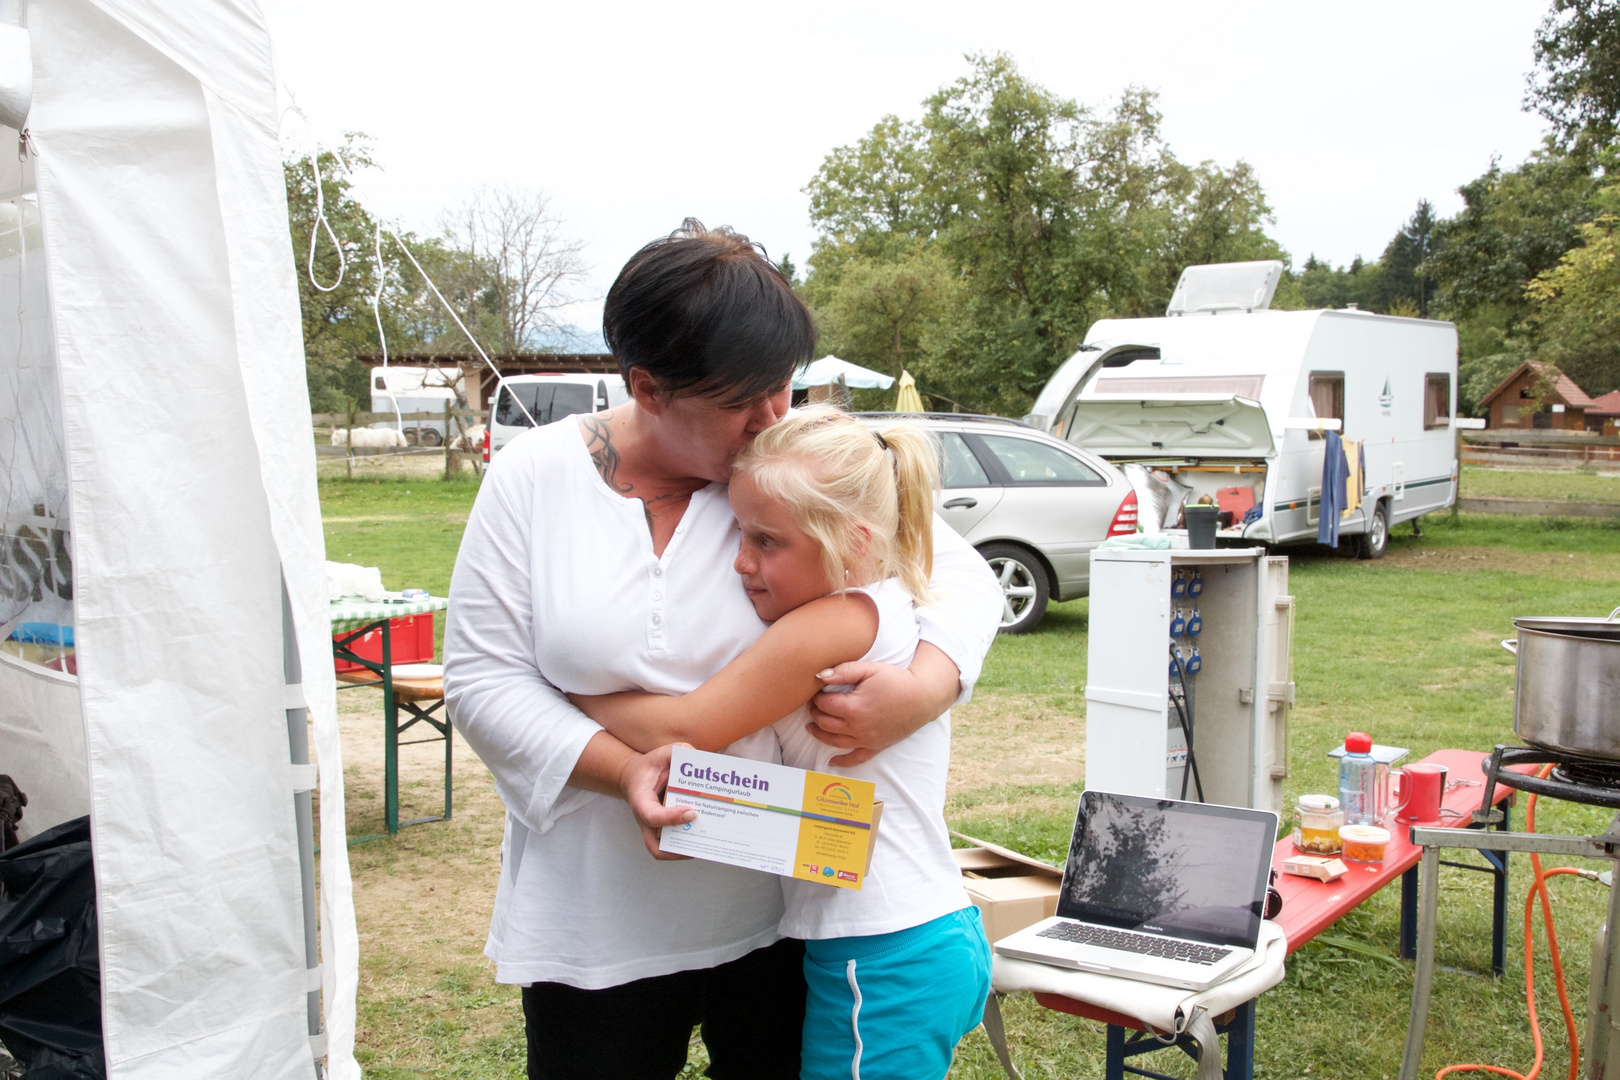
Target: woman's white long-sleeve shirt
[557,590]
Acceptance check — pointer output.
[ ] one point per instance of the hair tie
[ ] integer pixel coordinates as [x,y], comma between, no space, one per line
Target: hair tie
[881,440]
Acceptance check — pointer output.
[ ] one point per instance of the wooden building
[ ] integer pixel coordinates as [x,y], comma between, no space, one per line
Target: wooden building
[1515,404]
[1604,415]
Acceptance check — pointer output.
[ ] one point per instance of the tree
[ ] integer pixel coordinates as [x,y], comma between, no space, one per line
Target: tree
[867,198]
[879,312]
[1514,225]
[1576,84]
[518,263]
[1401,278]
[1030,215]
[1577,315]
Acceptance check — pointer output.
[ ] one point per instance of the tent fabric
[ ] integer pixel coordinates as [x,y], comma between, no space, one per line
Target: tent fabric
[190,463]
[825,372]
[43,734]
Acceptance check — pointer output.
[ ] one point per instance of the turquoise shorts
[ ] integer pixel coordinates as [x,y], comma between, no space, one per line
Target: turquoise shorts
[894,1006]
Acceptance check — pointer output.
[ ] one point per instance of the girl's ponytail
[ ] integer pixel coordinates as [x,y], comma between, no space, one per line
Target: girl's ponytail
[916,476]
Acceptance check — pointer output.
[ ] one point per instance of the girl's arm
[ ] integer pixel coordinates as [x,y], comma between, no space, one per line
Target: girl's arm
[775,676]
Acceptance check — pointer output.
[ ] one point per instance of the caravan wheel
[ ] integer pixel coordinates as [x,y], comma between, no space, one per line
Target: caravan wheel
[1373,541]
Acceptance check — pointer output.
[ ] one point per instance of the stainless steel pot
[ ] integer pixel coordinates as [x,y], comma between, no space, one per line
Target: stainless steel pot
[1567,694]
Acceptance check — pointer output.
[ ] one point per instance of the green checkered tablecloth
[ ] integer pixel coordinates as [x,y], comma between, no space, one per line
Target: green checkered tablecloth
[349,612]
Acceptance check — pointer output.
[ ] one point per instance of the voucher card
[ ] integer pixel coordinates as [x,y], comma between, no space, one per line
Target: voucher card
[808,825]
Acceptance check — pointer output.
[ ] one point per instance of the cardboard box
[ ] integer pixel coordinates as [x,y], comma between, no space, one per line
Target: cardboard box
[1012,891]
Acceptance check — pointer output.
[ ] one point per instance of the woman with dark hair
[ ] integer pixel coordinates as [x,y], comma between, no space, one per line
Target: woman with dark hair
[598,558]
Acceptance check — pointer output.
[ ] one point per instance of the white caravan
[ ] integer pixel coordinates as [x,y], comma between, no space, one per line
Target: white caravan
[1224,398]
[399,391]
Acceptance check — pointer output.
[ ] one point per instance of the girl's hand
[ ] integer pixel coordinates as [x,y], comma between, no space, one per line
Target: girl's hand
[641,784]
[887,704]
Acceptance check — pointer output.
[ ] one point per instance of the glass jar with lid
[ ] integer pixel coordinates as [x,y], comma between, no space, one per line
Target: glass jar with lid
[1316,825]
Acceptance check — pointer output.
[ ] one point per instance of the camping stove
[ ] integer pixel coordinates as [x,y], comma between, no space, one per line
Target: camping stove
[1589,780]
[1573,778]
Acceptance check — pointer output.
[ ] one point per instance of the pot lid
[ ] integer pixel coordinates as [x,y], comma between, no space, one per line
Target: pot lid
[1579,627]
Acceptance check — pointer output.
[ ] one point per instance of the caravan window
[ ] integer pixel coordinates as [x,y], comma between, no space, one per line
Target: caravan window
[1327,396]
[381,385]
[1436,402]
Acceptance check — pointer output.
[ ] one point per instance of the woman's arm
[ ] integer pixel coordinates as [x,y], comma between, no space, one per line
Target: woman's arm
[775,676]
[523,728]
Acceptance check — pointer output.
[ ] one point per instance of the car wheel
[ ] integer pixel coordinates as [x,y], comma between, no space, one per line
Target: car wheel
[1024,589]
[410,436]
[431,437]
[1376,538]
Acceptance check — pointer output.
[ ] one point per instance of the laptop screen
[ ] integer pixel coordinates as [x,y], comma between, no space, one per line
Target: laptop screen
[1159,866]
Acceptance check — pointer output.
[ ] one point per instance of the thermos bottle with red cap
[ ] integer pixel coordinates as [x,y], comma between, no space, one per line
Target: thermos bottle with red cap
[1358,780]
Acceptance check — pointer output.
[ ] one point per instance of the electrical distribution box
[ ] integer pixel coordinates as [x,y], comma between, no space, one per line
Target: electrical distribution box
[1190,675]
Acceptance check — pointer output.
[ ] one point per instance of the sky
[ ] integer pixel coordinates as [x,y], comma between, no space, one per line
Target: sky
[632,116]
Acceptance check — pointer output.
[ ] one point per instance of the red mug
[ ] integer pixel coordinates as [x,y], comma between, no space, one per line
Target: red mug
[1416,792]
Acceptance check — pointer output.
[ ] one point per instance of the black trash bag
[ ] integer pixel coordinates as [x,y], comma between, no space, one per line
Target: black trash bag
[12,801]
[50,971]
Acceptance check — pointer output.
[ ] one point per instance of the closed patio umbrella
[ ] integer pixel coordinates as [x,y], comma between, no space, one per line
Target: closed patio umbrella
[908,400]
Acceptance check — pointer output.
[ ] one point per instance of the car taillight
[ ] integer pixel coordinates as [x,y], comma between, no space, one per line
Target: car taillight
[1124,523]
[486,446]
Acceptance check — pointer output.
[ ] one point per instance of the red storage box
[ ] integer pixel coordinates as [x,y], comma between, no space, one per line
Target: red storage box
[410,642]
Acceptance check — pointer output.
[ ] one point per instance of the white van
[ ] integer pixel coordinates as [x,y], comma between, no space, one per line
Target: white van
[1224,398]
[546,398]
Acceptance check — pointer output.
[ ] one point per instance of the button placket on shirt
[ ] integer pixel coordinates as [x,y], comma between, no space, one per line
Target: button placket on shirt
[655,590]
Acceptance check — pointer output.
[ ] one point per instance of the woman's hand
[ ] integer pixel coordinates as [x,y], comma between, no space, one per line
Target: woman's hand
[887,704]
[641,784]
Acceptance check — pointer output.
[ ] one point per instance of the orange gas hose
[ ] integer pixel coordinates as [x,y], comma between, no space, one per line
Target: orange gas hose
[1538,888]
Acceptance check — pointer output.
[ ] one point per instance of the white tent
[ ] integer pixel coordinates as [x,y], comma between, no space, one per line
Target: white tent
[826,371]
[155,443]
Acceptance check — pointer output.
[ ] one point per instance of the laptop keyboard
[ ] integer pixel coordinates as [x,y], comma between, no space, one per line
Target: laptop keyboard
[1128,941]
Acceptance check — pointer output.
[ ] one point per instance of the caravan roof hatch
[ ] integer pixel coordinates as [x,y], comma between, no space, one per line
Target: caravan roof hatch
[1241,286]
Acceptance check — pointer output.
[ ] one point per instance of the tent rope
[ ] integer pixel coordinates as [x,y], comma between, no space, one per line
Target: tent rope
[499,378]
[321,221]
[382,338]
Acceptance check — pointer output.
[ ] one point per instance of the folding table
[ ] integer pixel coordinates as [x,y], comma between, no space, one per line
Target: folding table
[360,617]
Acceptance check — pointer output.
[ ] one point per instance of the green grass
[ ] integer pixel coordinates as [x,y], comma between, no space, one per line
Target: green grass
[1481,483]
[1406,648]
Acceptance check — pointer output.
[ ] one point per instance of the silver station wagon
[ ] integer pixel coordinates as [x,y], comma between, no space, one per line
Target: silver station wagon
[1034,506]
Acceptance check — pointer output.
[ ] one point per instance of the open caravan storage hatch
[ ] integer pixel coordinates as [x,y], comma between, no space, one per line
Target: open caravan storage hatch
[1137,427]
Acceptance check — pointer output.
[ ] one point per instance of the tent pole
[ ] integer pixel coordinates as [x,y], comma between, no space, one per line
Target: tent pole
[298,745]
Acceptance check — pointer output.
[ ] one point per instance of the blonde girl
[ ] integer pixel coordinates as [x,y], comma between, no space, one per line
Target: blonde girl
[835,551]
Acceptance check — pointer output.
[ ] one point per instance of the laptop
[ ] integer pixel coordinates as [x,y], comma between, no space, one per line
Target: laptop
[1157,890]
